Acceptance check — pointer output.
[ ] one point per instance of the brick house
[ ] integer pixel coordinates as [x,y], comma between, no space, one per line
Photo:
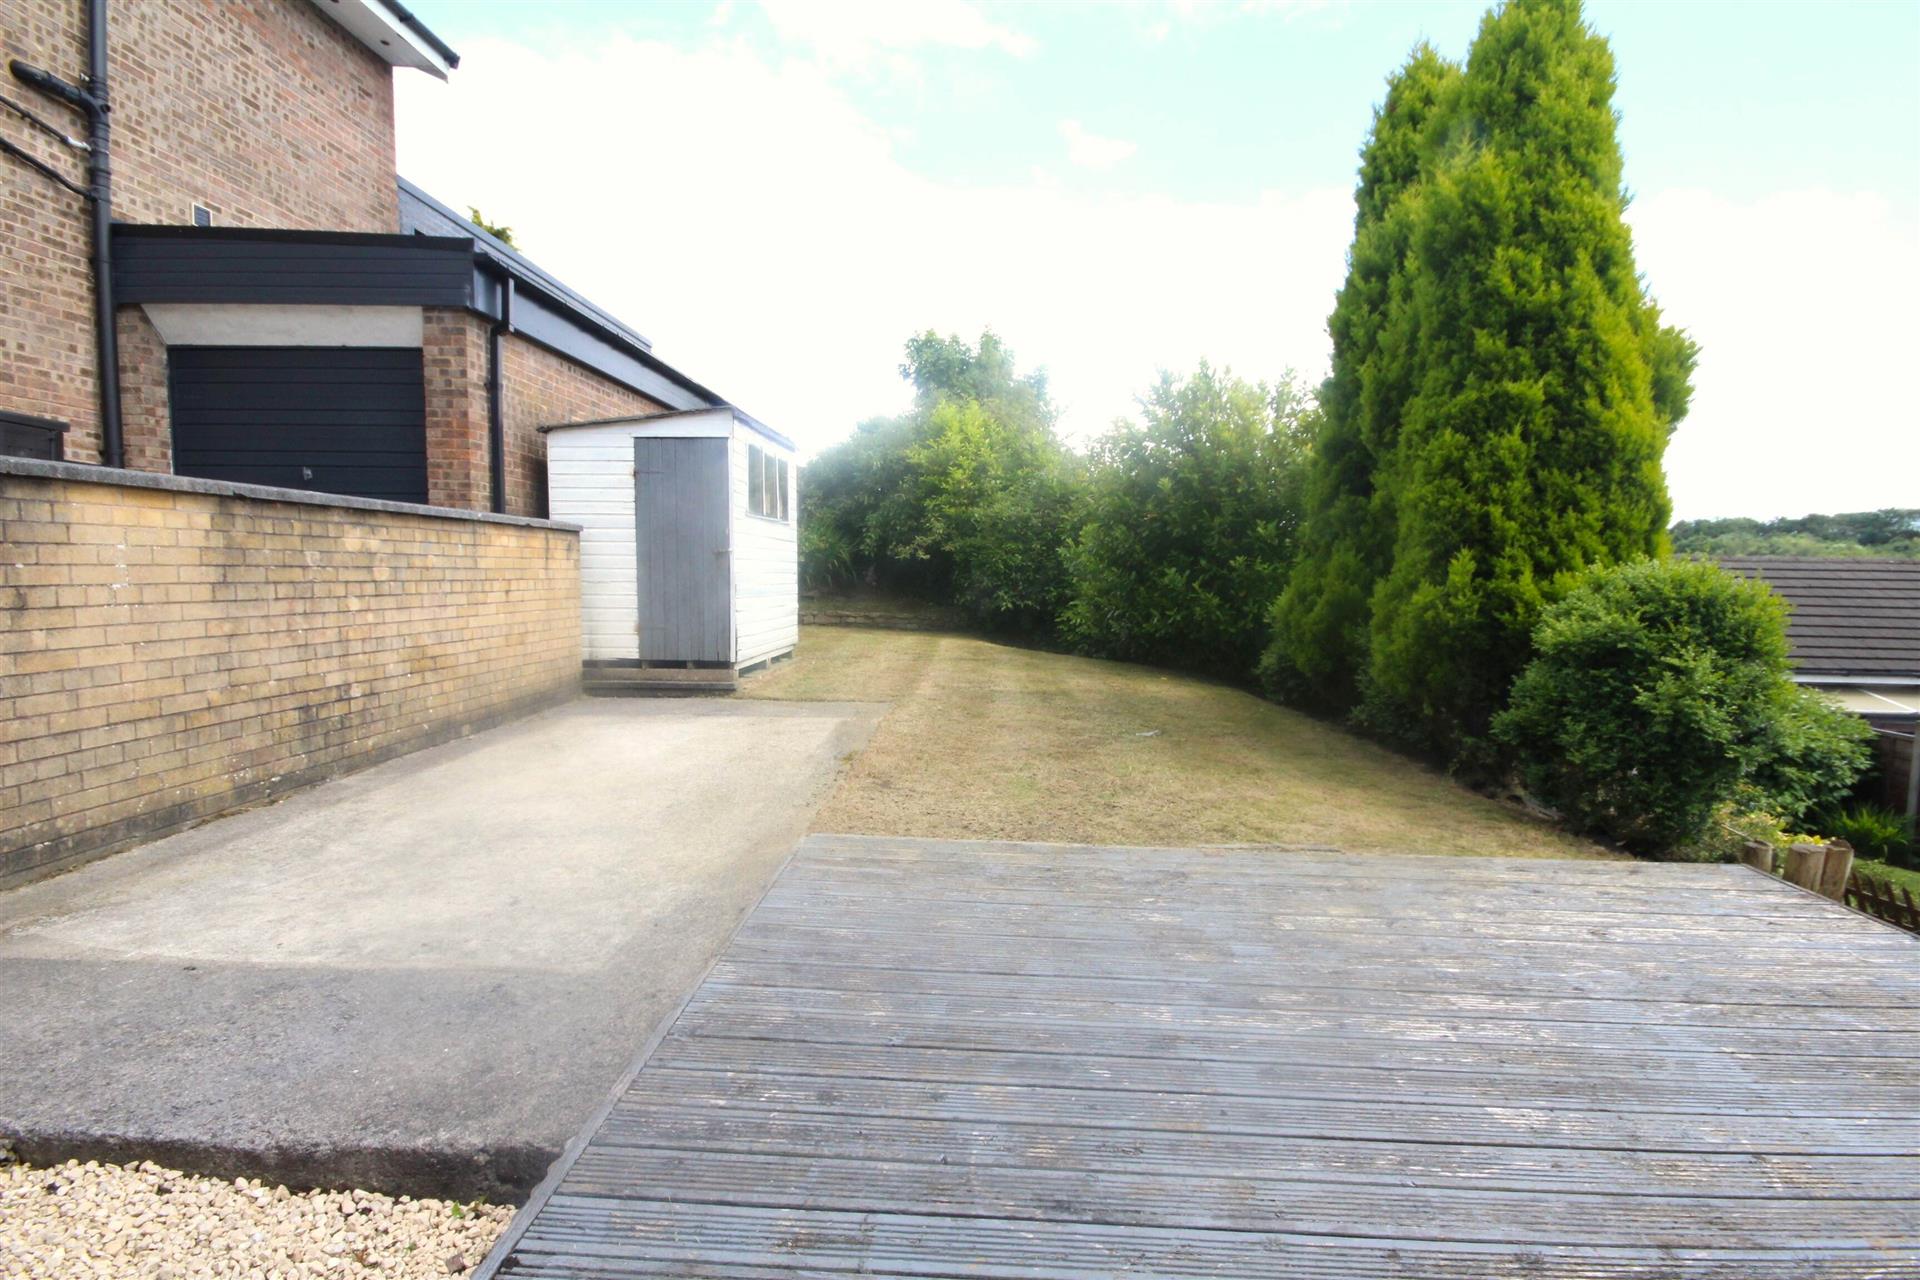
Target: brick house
[286,311]
[299,525]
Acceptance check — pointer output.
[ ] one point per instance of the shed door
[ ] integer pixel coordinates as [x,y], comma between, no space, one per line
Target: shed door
[682,534]
[347,420]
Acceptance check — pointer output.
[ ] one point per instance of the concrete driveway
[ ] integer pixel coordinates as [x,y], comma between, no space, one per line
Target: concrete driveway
[423,977]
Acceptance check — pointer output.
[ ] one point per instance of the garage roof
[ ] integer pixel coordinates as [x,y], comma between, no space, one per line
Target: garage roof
[548,312]
[1852,618]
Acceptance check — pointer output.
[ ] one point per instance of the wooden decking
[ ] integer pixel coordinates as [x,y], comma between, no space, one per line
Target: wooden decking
[927,1059]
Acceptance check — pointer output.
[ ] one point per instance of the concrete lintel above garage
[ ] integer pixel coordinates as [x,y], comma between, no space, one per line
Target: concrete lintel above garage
[226,324]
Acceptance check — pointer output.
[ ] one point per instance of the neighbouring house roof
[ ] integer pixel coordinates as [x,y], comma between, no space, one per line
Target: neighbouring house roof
[389,29]
[1853,620]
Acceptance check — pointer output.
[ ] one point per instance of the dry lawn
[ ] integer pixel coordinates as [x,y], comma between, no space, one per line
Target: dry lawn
[988,741]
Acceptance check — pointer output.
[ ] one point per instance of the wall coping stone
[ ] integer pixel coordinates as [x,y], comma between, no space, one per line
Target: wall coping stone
[88,473]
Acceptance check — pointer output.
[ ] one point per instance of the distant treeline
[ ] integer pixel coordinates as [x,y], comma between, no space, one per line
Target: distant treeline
[1459,544]
[1893,532]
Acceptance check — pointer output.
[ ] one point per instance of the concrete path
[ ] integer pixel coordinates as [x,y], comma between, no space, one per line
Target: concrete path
[423,977]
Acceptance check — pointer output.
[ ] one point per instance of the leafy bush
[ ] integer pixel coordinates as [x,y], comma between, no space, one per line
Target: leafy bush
[1875,832]
[1808,755]
[998,501]
[1189,524]
[1657,690]
[965,500]
[1727,833]
[827,552]
[860,499]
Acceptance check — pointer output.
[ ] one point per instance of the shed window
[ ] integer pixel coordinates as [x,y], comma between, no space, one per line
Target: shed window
[767,484]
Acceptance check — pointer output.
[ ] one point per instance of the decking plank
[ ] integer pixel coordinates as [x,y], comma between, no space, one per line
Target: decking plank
[1746,1090]
[1016,1007]
[1374,995]
[600,1237]
[694,1122]
[950,1058]
[1621,976]
[875,1182]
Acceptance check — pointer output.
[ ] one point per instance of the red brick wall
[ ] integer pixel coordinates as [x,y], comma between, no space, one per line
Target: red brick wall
[453,355]
[46,291]
[538,388]
[541,389]
[263,110]
[172,654]
[146,425]
[270,115]
[266,111]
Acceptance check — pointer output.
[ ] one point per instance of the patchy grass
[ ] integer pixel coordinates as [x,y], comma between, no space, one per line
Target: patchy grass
[989,741]
[1889,874]
[859,607]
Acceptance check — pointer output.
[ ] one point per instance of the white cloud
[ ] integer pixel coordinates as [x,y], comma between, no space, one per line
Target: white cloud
[1802,303]
[1292,10]
[763,233]
[1090,150]
[847,33]
[1205,13]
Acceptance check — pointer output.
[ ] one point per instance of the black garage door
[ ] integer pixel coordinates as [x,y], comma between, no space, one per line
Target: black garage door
[348,420]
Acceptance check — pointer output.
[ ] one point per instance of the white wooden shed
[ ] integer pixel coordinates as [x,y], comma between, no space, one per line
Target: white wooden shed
[689,564]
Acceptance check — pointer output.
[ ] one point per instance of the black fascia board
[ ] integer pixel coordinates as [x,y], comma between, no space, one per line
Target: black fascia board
[287,235]
[512,260]
[554,323]
[291,268]
[573,326]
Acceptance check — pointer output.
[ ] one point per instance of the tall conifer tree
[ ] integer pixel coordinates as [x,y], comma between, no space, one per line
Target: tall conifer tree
[1543,386]
[1320,622]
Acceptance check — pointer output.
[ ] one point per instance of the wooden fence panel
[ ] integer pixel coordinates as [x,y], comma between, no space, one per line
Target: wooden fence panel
[1883,900]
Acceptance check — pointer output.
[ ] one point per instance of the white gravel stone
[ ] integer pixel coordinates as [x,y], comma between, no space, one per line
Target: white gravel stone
[143,1222]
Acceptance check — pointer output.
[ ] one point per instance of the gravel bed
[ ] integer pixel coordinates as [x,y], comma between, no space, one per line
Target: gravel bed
[102,1220]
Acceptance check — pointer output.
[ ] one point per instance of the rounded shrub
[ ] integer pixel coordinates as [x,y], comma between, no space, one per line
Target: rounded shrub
[1657,690]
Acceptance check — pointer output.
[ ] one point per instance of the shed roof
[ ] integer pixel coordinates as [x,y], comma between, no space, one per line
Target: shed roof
[740,415]
[1852,618]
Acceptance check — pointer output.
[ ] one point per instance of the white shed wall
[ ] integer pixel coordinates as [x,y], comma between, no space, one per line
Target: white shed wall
[766,561]
[590,483]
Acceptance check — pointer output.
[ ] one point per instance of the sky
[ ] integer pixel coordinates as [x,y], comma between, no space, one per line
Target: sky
[779,193]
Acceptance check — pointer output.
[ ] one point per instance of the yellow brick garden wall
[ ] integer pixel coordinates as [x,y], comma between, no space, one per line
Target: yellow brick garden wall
[174,649]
